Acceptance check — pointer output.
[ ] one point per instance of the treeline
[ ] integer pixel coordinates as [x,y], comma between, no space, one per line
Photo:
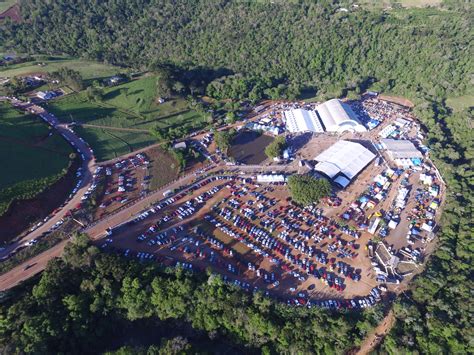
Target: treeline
[259,48]
[81,301]
[435,315]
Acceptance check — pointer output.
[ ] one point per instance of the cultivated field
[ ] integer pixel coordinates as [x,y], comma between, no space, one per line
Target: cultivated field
[32,157]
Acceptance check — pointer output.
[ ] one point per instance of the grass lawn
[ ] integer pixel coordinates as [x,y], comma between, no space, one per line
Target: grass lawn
[109,144]
[88,69]
[460,103]
[37,154]
[5,4]
[128,106]
[32,156]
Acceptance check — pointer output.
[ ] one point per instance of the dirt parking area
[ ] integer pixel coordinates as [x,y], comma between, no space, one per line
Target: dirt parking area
[303,252]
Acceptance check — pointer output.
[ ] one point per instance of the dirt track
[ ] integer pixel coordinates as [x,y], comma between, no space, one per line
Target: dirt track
[376,337]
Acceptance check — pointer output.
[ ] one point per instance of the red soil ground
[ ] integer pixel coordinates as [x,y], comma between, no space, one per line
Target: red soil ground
[21,214]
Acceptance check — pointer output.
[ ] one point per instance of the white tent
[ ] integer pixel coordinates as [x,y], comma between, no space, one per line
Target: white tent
[337,116]
[299,120]
[348,158]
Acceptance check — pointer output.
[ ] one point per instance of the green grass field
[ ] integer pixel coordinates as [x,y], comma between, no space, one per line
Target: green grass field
[460,103]
[109,144]
[32,157]
[5,4]
[37,154]
[88,69]
[378,4]
[128,106]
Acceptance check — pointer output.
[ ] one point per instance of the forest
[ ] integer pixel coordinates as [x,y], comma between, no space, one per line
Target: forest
[84,300]
[249,50]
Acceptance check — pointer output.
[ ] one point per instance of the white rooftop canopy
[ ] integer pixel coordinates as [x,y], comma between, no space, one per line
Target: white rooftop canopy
[336,116]
[348,158]
[299,120]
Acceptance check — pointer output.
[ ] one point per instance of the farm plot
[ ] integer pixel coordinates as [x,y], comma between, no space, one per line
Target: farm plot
[38,153]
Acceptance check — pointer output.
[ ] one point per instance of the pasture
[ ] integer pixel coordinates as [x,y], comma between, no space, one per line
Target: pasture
[108,144]
[88,69]
[460,103]
[122,120]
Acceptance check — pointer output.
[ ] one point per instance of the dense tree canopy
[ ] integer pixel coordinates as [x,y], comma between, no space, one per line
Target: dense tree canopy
[306,189]
[296,44]
[275,149]
[81,302]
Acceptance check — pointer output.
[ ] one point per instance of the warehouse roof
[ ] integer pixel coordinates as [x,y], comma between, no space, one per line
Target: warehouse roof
[344,157]
[336,116]
[401,149]
[299,120]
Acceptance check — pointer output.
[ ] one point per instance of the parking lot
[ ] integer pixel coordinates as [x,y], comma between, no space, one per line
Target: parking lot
[255,238]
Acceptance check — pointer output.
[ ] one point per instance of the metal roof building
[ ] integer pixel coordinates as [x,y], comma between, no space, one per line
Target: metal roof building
[400,149]
[343,157]
[336,116]
[299,120]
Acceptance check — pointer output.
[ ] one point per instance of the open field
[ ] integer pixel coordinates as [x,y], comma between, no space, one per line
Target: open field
[36,154]
[163,168]
[5,4]
[460,103]
[88,69]
[377,4]
[108,144]
[130,107]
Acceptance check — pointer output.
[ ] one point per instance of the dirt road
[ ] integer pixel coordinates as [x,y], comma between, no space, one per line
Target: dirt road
[30,268]
[376,337]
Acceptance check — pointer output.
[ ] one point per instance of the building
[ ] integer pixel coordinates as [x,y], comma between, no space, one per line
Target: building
[299,121]
[269,178]
[46,95]
[180,145]
[337,116]
[402,152]
[343,161]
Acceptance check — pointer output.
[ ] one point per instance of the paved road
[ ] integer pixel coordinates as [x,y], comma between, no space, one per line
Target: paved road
[87,171]
[30,268]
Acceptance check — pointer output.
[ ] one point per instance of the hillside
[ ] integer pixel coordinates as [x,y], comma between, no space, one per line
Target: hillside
[254,50]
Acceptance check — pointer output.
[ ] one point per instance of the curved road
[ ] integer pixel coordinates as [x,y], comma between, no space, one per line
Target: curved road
[88,164]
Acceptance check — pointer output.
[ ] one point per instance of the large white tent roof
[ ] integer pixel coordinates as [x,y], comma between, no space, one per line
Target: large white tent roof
[299,120]
[346,157]
[336,116]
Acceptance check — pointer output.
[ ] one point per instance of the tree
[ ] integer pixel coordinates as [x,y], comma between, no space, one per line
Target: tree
[275,149]
[224,140]
[306,189]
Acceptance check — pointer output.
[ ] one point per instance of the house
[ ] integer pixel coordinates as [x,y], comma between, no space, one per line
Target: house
[46,95]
